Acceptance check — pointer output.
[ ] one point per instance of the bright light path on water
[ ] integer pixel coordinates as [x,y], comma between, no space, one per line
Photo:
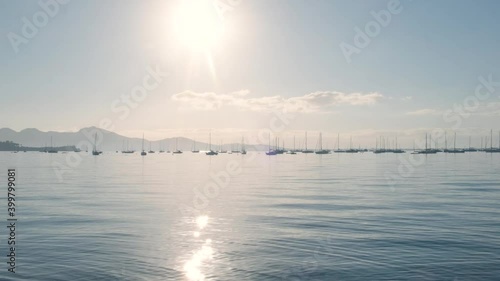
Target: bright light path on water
[193,267]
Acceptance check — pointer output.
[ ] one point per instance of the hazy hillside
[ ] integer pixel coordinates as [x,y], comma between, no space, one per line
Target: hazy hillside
[106,140]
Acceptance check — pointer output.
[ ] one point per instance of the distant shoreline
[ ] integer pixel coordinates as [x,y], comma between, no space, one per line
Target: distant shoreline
[12,146]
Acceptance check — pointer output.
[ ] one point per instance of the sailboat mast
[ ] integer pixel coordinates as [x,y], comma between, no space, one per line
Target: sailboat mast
[269,142]
[455,142]
[306,140]
[426,141]
[320,142]
[491,139]
[445,141]
[338,142]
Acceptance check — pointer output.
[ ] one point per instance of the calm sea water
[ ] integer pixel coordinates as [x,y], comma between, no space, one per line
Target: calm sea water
[286,217]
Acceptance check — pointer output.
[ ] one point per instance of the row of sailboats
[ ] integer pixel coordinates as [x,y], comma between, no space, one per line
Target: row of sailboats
[379,148]
[382,147]
[210,152]
[429,150]
[281,150]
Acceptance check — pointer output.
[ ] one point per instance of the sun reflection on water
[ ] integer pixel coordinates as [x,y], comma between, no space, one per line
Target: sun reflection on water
[202,221]
[193,266]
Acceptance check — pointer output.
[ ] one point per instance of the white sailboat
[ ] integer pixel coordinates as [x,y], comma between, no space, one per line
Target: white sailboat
[321,150]
[150,150]
[292,152]
[306,150]
[52,150]
[243,150]
[210,152]
[94,150]
[194,147]
[177,151]
[143,153]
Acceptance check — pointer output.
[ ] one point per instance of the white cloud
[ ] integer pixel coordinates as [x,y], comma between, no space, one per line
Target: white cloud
[489,109]
[425,111]
[483,109]
[312,102]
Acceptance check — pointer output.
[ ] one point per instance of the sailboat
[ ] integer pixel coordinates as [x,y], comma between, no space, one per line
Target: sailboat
[222,150]
[51,150]
[210,152]
[380,146]
[94,150]
[271,152]
[143,153]
[351,150]
[292,151]
[321,150]
[194,147]
[306,150]
[127,151]
[177,151]
[150,150]
[338,145]
[280,150]
[493,149]
[235,148]
[455,150]
[396,149]
[427,149]
[470,148]
[161,148]
[445,142]
[377,150]
[243,150]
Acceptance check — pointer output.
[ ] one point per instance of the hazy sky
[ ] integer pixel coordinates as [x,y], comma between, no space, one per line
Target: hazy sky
[232,63]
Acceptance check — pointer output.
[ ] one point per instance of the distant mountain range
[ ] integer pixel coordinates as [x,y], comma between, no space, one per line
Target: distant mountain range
[106,140]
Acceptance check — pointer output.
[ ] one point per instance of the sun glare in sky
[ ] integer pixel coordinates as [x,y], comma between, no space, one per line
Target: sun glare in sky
[197,25]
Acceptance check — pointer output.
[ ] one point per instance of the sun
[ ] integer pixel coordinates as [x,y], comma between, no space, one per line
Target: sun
[197,25]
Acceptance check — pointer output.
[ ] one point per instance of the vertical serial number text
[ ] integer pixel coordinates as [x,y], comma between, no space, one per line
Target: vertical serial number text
[11,220]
